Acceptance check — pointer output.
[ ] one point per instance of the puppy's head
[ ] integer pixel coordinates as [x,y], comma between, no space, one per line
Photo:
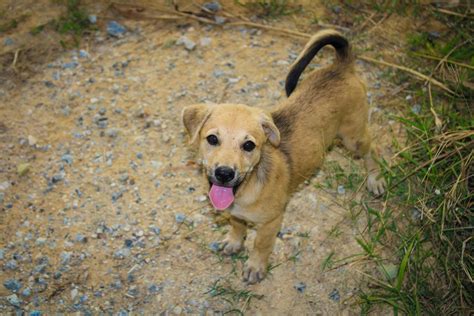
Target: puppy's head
[230,139]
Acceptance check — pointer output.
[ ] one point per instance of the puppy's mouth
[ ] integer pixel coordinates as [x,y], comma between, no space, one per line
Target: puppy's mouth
[222,196]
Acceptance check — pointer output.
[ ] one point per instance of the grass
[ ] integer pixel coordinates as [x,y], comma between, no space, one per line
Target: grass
[421,241]
[233,296]
[270,8]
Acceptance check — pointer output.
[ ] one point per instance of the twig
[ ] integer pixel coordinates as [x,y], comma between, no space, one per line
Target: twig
[15,59]
[444,59]
[271,28]
[409,70]
[465,15]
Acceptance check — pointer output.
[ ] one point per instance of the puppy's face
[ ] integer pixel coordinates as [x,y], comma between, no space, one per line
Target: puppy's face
[230,139]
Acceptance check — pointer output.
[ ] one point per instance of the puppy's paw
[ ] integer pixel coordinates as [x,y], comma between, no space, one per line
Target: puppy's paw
[376,184]
[231,246]
[254,272]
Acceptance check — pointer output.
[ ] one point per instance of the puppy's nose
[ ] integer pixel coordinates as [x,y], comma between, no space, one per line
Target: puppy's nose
[224,174]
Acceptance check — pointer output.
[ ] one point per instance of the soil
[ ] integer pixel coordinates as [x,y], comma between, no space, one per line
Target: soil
[103,208]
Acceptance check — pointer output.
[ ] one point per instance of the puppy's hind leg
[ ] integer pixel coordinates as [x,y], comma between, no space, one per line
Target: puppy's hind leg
[356,138]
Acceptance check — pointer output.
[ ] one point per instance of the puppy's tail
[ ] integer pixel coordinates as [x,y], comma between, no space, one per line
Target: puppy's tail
[318,41]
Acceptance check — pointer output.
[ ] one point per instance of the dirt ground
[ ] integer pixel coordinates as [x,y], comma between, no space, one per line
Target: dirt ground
[103,208]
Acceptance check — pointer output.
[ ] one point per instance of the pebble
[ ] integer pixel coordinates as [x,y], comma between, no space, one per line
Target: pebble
[11,265]
[122,253]
[2,254]
[205,41]
[341,190]
[220,20]
[180,218]
[26,292]
[67,158]
[32,141]
[186,42]
[416,109]
[215,246]
[300,287]
[22,169]
[112,132]
[35,313]
[80,238]
[8,41]
[92,19]
[155,230]
[12,285]
[334,295]
[212,6]
[74,293]
[70,65]
[83,54]
[14,300]
[115,29]
[154,289]
[65,257]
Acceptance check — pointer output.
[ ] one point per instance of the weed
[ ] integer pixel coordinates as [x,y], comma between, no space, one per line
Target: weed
[426,224]
[75,21]
[232,296]
[270,8]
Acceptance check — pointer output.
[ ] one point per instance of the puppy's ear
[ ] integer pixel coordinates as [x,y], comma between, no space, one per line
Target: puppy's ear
[271,130]
[194,117]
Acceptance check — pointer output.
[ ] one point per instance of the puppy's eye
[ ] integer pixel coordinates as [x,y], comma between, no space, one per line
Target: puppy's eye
[248,146]
[212,140]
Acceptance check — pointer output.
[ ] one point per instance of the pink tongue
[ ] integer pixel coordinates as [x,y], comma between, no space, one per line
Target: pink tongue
[221,197]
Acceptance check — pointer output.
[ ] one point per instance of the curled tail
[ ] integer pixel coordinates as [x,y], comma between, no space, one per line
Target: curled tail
[318,41]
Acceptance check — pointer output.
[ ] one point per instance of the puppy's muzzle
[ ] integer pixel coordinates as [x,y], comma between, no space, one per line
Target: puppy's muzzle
[224,174]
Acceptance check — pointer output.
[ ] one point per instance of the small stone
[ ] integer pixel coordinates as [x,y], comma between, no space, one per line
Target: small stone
[233,80]
[67,158]
[154,289]
[215,246]
[180,218]
[282,63]
[300,287]
[139,155]
[70,65]
[341,190]
[35,313]
[11,265]
[122,253]
[111,132]
[155,230]
[416,109]
[116,196]
[205,41]
[334,295]
[81,238]
[22,169]
[128,243]
[2,254]
[92,19]
[26,292]
[65,257]
[186,42]
[8,41]
[74,293]
[58,177]
[212,6]
[220,20]
[14,300]
[115,29]
[32,140]
[12,285]
[83,54]
[217,73]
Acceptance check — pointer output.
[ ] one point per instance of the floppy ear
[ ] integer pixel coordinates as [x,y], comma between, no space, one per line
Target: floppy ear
[271,131]
[194,117]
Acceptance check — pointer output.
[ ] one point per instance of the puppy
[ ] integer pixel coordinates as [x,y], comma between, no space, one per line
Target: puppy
[254,159]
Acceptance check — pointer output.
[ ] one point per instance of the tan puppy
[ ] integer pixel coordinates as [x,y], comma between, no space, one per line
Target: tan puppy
[254,159]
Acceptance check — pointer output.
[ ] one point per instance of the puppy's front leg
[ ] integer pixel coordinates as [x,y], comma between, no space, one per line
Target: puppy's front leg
[255,268]
[234,239]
